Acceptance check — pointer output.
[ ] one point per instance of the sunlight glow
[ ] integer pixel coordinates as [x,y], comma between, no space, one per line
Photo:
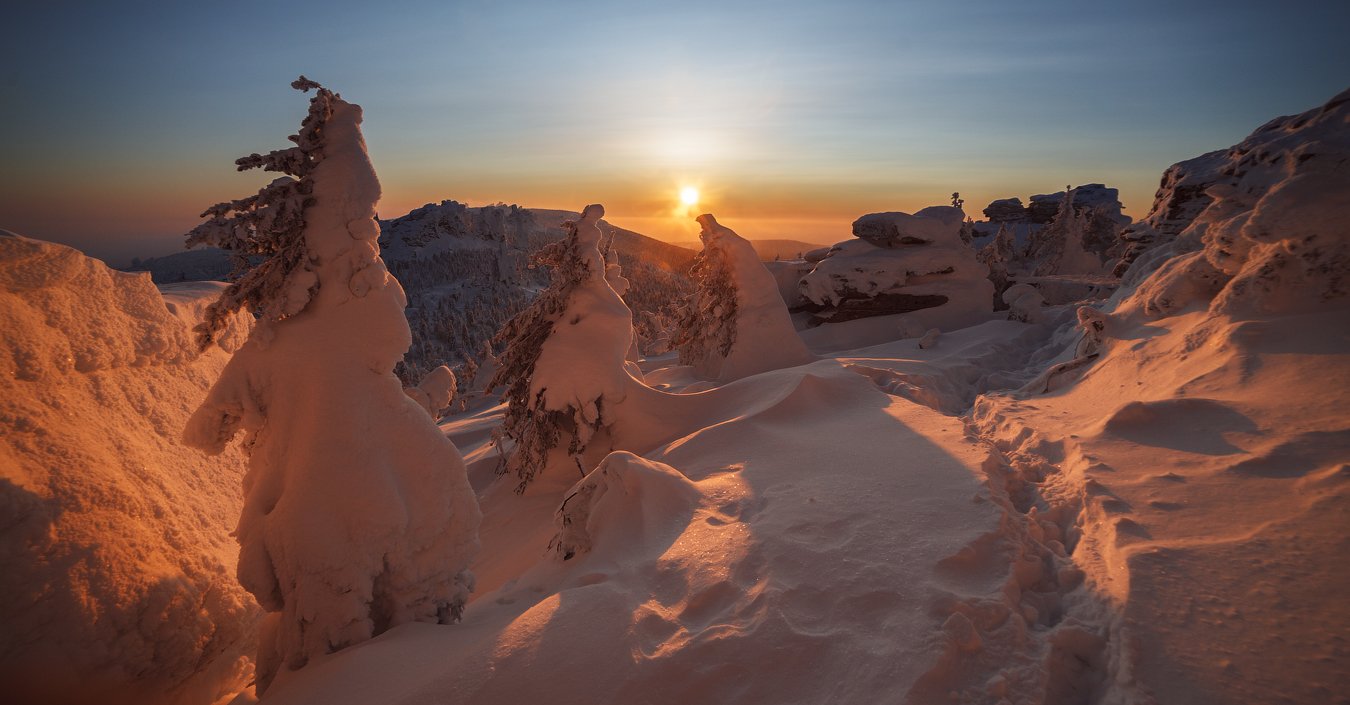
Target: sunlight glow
[689,196]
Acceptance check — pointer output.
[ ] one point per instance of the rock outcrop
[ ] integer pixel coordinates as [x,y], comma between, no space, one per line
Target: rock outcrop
[1006,210]
[901,264]
[1270,233]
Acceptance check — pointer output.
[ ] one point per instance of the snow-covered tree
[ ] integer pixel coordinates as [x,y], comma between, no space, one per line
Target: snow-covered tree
[563,362]
[998,255]
[357,515]
[736,323]
[1058,247]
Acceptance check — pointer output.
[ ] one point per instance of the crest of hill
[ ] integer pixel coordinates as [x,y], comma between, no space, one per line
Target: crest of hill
[437,227]
[767,249]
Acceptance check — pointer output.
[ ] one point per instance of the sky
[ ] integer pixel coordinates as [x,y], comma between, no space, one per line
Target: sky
[119,122]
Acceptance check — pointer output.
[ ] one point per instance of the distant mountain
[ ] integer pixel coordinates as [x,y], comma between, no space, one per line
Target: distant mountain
[467,270]
[767,250]
[204,264]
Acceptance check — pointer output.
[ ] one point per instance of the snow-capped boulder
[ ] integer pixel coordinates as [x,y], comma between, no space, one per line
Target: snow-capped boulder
[118,567]
[1024,303]
[932,225]
[923,268]
[816,255]
[1044,207]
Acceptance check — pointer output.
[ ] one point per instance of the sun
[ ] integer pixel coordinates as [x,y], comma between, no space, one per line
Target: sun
[689,196]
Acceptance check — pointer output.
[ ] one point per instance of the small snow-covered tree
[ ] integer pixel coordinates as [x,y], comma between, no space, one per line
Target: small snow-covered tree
[358,515]
[999,255]
[1058,247]
[736,323]
[563,361]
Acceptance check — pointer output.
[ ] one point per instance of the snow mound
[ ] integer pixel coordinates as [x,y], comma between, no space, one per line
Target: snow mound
[902,264]
[118,580]
[622,505]
[133,329]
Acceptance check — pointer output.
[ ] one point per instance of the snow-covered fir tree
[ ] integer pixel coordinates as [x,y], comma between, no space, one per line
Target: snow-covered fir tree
[1058,247]
[563,361]
[736,323]
[999,255]
[358,515]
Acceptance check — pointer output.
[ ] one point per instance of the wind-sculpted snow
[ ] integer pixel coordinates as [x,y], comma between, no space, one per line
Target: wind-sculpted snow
[750,554]
[1272,236]
[1193,451]
[117,579]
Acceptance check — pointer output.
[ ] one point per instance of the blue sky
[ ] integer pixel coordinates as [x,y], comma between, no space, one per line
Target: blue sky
[121,120]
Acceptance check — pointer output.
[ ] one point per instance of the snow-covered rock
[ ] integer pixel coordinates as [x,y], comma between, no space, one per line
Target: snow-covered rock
[932,225]
[1273,234]
[1044,207]
[1179,199]
[1005,210]
[117,582]
[926,271]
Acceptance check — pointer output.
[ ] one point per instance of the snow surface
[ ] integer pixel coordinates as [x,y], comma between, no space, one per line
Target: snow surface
[118,570]
[1134,502]
[1153,529]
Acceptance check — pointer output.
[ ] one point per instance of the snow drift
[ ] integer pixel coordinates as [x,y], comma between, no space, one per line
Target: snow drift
[117,583]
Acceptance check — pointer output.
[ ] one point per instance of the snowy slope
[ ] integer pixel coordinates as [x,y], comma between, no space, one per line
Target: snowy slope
[743,557]
[118,581]
[1203,456]
[1137,503]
